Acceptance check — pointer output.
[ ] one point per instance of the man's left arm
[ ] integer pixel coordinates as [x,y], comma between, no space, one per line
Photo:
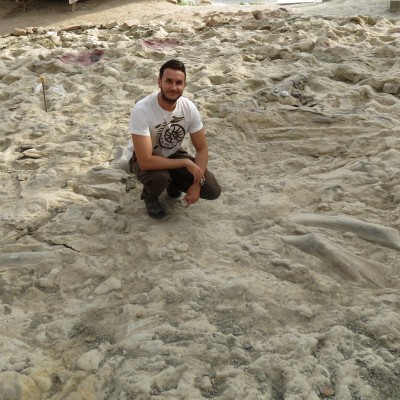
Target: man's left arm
[199,142]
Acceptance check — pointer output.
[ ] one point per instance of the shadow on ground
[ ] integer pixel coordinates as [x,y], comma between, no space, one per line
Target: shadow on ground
[48,12]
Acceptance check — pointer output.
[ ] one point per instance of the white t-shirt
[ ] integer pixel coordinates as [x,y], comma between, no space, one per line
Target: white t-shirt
[167,129]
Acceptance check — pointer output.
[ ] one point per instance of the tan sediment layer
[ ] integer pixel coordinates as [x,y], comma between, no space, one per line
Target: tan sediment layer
[285,287]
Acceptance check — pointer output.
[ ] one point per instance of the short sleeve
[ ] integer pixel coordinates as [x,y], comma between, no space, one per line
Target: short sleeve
[139,122]
[196,123]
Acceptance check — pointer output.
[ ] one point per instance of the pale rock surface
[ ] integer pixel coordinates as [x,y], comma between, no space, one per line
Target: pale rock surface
[90,361]
[286,287]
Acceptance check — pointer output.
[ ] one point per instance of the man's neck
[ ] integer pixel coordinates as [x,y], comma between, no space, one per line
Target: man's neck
[165,105]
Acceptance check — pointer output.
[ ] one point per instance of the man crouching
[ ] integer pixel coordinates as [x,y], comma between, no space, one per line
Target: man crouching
[158,123]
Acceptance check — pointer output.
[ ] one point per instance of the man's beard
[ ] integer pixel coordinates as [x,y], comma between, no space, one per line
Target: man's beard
[167,99]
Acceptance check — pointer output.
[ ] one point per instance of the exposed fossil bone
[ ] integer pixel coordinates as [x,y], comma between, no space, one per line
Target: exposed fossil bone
[340,260]
[388,237]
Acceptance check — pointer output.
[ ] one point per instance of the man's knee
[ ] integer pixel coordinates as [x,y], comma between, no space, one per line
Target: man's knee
[155,182]
[213,192]
[158,178]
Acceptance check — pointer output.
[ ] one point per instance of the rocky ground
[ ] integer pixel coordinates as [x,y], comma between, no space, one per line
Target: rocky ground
[287,287]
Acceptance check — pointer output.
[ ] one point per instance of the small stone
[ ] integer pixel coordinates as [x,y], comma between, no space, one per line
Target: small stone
[88,26]
[131,23]
[180,247]
[130,184]
[234,288]
[247,345]
[205,383]
[257,14]
[90,361]
[391,88]
[72,28]
[327,391]
[108,286]
[214,21]
[19,32]
[356,20]
[26,146]
[109,25]
[261,377]
[31,153]
[37,134]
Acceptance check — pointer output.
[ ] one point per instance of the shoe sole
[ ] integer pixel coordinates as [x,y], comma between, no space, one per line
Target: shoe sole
[157,216]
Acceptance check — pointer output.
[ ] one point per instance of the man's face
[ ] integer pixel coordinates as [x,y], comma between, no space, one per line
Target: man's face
[172,85]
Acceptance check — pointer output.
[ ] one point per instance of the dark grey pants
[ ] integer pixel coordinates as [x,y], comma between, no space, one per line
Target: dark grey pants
[156,181]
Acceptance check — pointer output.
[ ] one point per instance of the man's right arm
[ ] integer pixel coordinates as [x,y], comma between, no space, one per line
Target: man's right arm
[148,161]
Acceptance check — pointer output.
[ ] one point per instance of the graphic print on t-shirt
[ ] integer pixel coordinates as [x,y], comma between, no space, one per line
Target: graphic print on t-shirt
[169,135]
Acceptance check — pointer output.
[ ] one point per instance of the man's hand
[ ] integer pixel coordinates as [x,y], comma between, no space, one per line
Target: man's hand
[195,170]
[193,194]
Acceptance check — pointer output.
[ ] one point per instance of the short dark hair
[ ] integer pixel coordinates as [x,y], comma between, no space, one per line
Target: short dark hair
[173,64]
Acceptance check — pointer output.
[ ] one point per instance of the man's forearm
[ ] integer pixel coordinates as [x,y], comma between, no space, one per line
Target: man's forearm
[201,159]
[159,163]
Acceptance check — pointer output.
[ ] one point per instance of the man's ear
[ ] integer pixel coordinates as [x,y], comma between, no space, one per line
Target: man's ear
[159,83]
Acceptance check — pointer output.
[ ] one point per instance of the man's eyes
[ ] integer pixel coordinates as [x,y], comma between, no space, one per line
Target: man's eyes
[176,83]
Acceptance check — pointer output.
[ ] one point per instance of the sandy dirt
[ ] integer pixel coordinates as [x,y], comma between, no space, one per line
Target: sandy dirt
[285,287]
[58,13]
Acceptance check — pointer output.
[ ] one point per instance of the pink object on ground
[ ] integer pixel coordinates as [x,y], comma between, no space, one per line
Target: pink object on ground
[85,59]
